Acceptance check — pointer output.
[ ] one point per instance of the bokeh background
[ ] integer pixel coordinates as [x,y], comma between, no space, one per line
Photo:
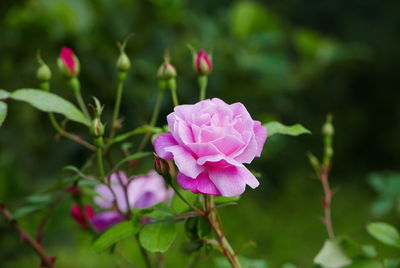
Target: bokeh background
[287,60]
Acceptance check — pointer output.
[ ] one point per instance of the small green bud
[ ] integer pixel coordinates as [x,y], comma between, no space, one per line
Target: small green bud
[43,73]
[166,71]
[327,128]
[97,127]
[123,62]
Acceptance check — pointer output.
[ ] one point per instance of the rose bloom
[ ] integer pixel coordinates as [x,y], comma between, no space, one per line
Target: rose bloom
[137,192]
[209,142]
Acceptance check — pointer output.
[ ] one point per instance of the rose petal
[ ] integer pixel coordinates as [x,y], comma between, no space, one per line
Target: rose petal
[202,184]
[185,161]
[231,181]
[161,142]
[260,133]
[228,144]
[203,149]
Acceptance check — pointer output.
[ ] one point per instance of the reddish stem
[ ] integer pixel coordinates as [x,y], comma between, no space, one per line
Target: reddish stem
[327,201]
[46,260]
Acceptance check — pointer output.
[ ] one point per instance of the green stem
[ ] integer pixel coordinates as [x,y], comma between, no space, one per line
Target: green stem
[214,219]
[203,86]
[99,152]
[144,253]
[117,106]
[76,87]
[172,86]
[198,211]
[68,135]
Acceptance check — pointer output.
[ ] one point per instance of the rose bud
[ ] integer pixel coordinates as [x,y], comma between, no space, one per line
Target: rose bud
[68,62]
[166,71]
[43,73]
[123,62]
[97,127]
[78,215]
[202,63]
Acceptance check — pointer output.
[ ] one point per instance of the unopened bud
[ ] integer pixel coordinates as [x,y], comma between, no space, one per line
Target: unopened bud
[68,62]
[203,63]
[123,62]
[43,73]
[327,128]
[166,71]
[97,127]
[162,167]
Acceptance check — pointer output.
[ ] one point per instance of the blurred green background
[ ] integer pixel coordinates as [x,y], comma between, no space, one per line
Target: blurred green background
[292,61]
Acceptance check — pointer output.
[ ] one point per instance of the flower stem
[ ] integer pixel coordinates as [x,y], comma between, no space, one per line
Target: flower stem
[99,153]
[327,201]
[117,106]
[76,87]
[172,86]
[216,224]
[69,135]
[46,260]
[203,86]
[214,219]
[198,211]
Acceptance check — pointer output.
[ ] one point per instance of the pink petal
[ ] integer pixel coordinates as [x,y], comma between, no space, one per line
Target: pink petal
[231,181]
[248,152]
[203,149]
[185,161]
[202,184]
[260,133]
[161,142]
[228,144]
[105,220]
[218,161]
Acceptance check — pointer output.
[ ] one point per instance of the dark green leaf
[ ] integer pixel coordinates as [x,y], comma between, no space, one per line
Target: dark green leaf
[385,233]
[223,199]
[3,112]
[157,237]
[115,234]
[49,102]
[278,128]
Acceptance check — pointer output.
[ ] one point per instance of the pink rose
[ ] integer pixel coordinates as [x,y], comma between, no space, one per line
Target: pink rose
[137,192]
[209,142]
[68,62]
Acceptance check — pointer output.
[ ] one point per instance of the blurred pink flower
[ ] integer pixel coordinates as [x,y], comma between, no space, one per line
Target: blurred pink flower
[209,142]
[203,63]
[137,192]
[68,62]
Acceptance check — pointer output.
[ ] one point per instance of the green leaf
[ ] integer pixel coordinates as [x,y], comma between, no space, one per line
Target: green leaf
[3,112]
[364,263]
[49,102]
[139,130]
[332,255]
[115,234]
[275,127]
[159,212]
[131,157]
[245,263]
[4,94]
[224,199]
[157,237]
[385,233]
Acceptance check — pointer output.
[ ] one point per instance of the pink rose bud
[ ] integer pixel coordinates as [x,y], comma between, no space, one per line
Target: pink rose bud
[210,142]
[68,62]
[203,63]
[78,215]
